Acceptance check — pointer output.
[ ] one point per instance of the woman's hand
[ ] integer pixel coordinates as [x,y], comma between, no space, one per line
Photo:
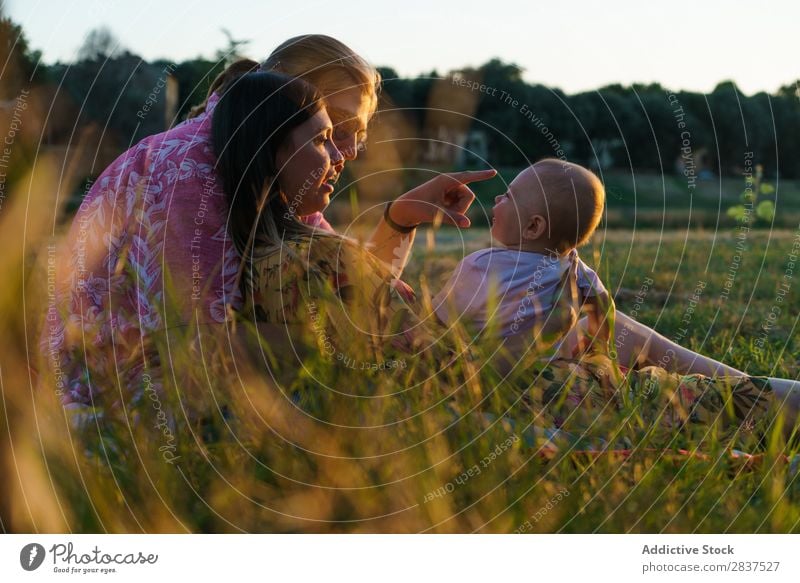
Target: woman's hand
[446,196]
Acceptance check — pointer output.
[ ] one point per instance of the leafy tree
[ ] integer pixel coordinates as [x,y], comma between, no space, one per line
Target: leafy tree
[194,77]
[233,51]
[790,92]
[100,44]
[20,65]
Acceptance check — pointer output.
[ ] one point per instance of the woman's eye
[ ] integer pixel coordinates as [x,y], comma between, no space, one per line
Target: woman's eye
[347,129]
[341,133]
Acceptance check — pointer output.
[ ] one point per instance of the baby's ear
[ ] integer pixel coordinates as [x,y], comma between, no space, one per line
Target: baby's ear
[536,229]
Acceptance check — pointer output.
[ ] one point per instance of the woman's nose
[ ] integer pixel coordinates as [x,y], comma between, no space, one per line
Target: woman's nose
[497,198]
[337,156]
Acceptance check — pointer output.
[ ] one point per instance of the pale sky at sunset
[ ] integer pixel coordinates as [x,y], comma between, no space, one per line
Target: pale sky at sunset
[574,45]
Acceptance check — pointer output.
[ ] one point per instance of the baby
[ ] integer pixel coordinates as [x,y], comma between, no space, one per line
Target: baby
[531,287]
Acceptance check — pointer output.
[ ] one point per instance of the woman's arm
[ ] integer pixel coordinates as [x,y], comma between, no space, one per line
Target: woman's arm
[443,200]
[391,246]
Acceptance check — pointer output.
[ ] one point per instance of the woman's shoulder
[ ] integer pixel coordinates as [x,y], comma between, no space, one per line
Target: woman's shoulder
[180,153]
[188,141]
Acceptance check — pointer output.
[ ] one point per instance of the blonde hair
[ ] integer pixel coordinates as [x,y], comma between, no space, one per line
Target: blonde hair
[575,199]
[328,64]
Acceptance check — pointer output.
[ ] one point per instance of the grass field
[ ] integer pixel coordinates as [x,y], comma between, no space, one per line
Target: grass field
[324,448]
[430,446]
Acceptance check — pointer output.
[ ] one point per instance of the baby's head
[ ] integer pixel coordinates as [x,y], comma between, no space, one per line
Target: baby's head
[552,205]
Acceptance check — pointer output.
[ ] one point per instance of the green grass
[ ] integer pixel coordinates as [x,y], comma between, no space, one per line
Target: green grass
[367,453]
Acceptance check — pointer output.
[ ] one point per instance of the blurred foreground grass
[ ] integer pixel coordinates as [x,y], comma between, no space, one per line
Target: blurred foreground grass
[280,446]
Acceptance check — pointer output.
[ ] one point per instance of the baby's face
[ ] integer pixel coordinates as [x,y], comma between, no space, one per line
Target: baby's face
[514,208]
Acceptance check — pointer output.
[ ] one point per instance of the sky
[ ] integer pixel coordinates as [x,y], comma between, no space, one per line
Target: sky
[570,44]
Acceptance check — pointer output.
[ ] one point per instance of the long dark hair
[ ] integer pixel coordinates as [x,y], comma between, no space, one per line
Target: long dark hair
[254,116]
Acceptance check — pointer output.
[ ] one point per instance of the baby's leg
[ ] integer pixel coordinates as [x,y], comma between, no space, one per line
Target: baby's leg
[787,392]
[636,344]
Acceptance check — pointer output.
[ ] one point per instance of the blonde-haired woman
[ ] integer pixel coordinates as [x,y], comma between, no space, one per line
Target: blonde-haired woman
[149,250]
[350,84]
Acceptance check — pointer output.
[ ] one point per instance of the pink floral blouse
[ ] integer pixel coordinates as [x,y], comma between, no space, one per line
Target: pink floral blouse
[158,209]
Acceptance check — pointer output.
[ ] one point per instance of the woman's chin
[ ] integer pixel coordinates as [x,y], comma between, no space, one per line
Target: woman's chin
[319,203]
[325,191]
[325,200]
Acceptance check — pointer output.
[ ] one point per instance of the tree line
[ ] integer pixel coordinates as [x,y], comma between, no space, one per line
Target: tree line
[645,127]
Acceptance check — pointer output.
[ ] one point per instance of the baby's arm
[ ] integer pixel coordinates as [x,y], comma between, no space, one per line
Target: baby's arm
[598,307]
[600,311]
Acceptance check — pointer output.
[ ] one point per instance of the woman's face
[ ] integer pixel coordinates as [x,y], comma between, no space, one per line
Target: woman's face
[349,112]
[308,165]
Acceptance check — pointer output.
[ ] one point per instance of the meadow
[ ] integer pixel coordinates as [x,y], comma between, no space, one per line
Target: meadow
[268,444]
[231,432]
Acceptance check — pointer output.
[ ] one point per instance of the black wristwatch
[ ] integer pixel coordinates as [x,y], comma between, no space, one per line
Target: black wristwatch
[393,225]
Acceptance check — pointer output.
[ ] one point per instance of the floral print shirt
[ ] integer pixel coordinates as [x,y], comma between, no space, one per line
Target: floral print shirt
[335,280]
